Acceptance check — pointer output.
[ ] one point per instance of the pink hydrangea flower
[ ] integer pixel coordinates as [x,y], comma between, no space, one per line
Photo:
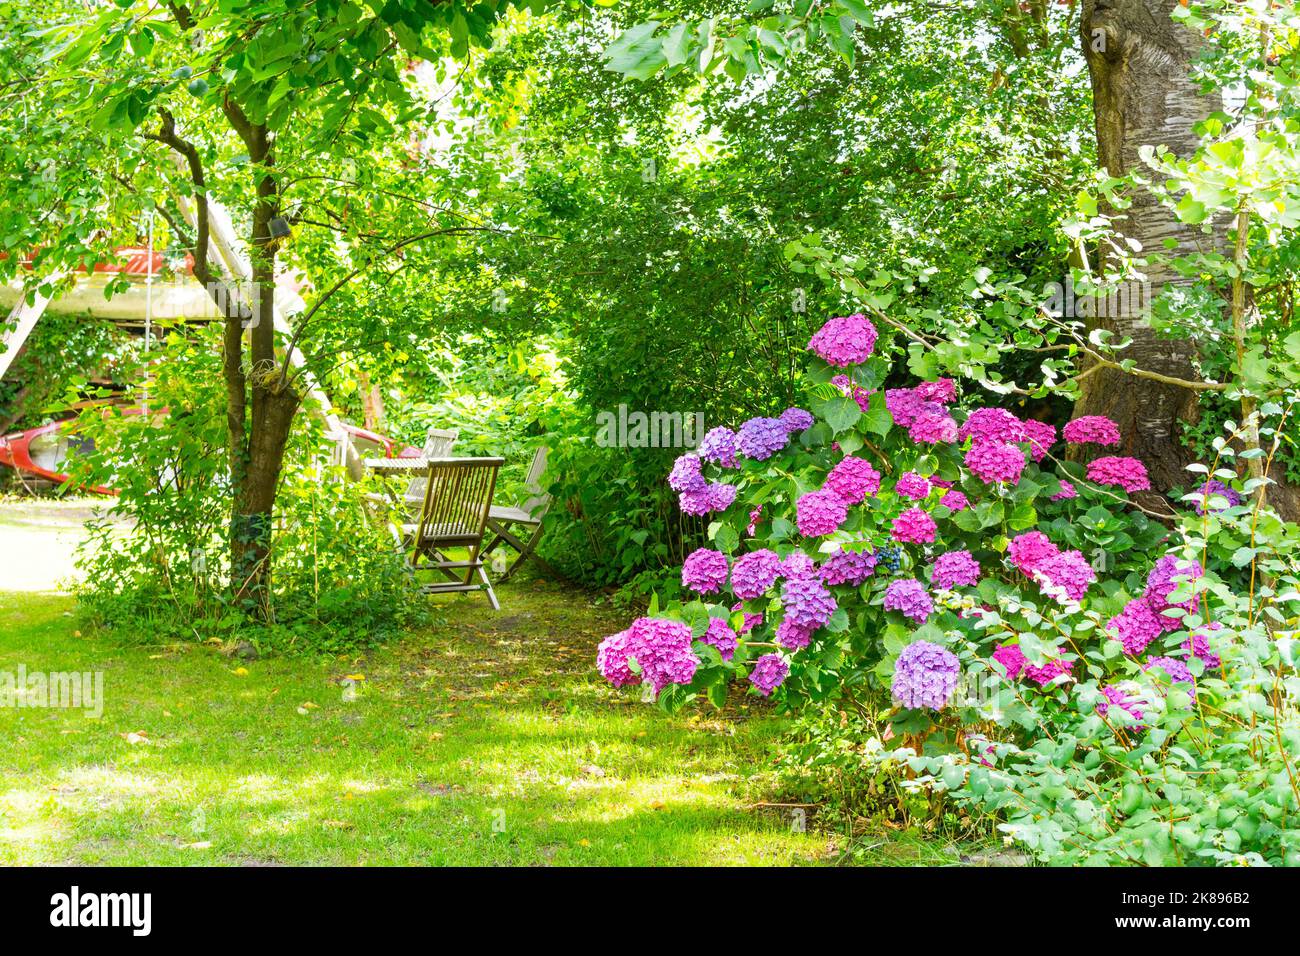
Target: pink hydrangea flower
[721,636]
[992,462]
[798,565]
[1125,696]
[819,513]
[955,569]
[911,485]
[853,479]
[1028,551]
[661,648]
[1198,645]
[995,425]
[612,660]
[1047,672]
[914,526]
[1067,492]
[845,340]
[1091,429]
[704,570]
[954,501]
[792,635]
[769,673]
[1068,571]
[1135,626]
[1012,658]
[849,387]
[943,391]
[933,428]
[904,405]
[1040,435]
[1127,473]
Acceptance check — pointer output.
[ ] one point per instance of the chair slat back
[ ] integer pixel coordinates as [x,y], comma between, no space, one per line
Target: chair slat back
[538,500]
[438,443]
[458,495]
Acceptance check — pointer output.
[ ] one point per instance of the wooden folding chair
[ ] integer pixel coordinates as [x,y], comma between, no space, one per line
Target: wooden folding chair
[438,443]
[457,498]
[527,517]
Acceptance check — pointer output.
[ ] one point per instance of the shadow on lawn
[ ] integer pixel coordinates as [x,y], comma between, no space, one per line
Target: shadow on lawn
[484,739]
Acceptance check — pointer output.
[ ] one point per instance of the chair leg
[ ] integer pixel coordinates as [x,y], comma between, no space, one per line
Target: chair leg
[487,586]
[526,552]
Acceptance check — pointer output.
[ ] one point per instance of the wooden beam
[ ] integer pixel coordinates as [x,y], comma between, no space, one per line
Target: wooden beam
[24,318]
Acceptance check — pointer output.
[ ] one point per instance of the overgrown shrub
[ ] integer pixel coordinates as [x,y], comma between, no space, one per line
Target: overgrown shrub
[157,565]
[1113,688]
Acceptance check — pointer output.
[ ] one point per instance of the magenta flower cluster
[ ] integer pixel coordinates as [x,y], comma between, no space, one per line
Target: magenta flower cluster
[914,526]
[995,462]
[820,513]
[1091,430]
[661,649]
[769,673]
[1127,473]
[954,569]
[845,340]
[853,479]
[704,571]
[754,573]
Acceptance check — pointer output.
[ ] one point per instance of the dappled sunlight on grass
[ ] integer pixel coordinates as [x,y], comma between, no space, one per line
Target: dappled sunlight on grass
[484,739]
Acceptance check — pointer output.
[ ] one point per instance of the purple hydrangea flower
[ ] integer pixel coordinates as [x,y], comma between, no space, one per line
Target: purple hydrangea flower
[754,573]
[925,675]
[806,601]
[910,598]
[1169,572]
[796,419]
[769,673]
[954,569]
[845,340]
[933,427]
[1216,489]
[1174,669]
[611,660]
[848,567]
[792,635]
[798,565]
[686,475]
[761,438]
[719,447]
[704,570]
[904,406]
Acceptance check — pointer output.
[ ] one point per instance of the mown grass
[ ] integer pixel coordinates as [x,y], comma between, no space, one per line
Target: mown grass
[482,739]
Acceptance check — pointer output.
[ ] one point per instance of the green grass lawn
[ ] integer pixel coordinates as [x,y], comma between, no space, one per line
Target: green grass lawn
[483,739]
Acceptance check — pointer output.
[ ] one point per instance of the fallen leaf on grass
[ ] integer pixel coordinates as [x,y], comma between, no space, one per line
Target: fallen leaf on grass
[135,737]
[201,845]
[240,672]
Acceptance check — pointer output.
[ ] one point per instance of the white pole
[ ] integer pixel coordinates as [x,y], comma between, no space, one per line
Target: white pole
[148,312]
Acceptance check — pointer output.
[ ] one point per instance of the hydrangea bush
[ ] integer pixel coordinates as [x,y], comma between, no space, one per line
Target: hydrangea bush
[1039,648]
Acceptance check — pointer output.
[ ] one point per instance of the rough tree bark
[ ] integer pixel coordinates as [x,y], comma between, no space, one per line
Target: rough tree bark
[1138,59]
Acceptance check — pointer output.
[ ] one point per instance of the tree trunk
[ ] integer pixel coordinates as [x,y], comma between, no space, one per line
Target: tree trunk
[1138,59]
